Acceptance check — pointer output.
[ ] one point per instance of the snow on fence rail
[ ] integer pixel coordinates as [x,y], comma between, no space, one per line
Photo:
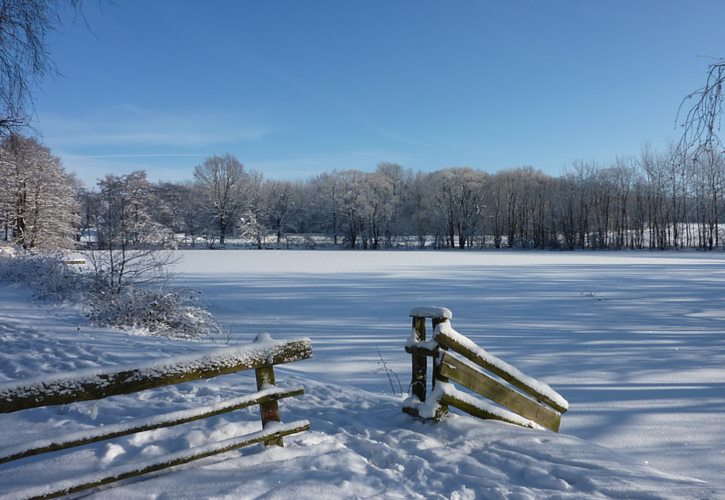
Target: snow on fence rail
[520,399]
[83,385]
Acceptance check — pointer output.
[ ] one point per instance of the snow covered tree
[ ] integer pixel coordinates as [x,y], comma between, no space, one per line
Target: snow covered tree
[37,197]
[378,201]
[228,190]
[180,208]
[459,202]
[326,205]
[282,205]
[250,227]
[416,208]
[251,222]
[353,206]
[128,239]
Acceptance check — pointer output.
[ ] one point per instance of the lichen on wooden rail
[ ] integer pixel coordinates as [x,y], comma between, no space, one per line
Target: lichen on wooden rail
[86,385]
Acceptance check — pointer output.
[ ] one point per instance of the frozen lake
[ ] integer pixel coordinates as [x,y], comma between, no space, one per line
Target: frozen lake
[634,340]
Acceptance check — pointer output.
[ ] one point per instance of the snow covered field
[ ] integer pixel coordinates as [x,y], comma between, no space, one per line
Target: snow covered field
[634,341]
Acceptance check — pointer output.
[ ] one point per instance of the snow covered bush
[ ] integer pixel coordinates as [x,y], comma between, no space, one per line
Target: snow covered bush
[176,313]
[45,274]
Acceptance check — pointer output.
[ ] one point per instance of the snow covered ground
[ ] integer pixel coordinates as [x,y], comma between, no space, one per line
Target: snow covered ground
[634,341]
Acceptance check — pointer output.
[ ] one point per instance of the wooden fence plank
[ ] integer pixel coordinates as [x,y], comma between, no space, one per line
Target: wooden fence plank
[172,460]
[146,424]
[452,343]
[474,379]
[478,410]
[93,384]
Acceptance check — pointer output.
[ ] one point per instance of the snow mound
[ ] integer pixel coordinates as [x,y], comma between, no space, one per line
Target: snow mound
[362,445]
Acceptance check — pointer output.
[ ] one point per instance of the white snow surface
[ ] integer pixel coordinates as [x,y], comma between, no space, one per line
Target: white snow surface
[634,341]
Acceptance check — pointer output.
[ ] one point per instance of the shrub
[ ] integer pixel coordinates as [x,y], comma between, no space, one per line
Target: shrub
[45,274]
[176,313]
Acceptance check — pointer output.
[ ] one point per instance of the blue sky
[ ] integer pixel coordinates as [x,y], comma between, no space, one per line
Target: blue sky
[295,88]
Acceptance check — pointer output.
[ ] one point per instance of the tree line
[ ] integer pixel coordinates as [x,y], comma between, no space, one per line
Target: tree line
[657,200]
[670,199]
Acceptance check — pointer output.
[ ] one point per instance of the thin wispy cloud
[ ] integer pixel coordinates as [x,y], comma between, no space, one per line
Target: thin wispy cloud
[131,126]
[394,136]
[138,155]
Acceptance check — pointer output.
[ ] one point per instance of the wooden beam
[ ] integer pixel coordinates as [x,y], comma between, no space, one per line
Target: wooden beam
[476,410]
[146,424]
[105,477]
[93,384]
[474,379]
[452,343]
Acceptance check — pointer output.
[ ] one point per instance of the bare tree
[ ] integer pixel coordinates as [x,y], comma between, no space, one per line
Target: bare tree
[24,58]
[353,206]
[281,205]
[702,119]
[180,207]
[128,239]
[417,208]
[399,180]
[701,148]
[459,203]
[379,202]
[226,186]
[327,191]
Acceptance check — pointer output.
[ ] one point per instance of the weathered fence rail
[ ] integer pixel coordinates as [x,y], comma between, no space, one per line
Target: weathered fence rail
[260,356]
[519,399]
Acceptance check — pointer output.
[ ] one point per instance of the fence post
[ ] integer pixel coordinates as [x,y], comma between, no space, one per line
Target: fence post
[420,362]
[268,412]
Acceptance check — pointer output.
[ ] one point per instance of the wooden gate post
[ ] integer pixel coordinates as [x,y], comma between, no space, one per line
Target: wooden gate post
[420,362]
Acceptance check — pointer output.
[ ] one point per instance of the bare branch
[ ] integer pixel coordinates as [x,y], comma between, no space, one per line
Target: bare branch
[701,123]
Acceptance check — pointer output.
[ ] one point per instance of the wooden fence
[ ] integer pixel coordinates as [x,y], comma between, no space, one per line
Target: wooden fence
[96,384]
[518,398]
